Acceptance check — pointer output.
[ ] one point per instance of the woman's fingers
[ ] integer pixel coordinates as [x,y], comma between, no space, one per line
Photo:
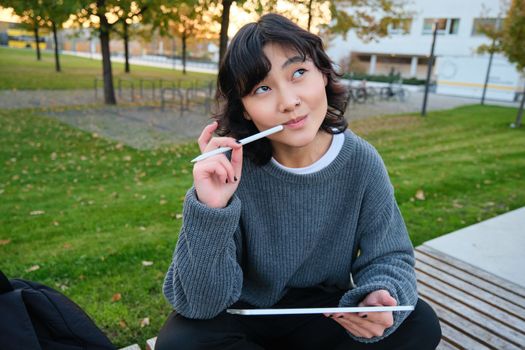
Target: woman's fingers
[206,135]
[216,142]
[363,327]
[220,168]
[236,162]
[212,169]
[354,328]
[228,167]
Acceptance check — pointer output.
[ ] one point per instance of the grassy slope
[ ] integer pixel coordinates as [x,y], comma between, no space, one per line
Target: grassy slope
[20,70]
[89,212]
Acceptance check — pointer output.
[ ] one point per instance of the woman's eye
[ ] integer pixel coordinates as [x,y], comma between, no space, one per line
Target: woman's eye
[261,90]
[298,73]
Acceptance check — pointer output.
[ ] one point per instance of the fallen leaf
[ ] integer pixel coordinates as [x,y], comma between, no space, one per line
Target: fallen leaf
[420,195]
[33,268]
[178,216]
[147,263]
[116,297]
[37,212]
[67,246]
[122,324]
[144,322]
[5,241]
[456,204]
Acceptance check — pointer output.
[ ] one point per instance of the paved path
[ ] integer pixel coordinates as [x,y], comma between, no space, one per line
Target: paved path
[145,127]
[140,127]
[413,104]
[10,99]
[496,245]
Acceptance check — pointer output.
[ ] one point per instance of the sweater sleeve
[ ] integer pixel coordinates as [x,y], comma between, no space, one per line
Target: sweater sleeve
[386,257]
[204,277]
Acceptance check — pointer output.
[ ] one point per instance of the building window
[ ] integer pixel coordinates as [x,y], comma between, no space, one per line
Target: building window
[444,25]
[400,27]
[481,24]
[454,26]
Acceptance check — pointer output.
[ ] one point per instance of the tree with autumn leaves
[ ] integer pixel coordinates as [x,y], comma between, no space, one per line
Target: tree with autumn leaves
[509,39]
[39,14]
[189,19]
[513,44]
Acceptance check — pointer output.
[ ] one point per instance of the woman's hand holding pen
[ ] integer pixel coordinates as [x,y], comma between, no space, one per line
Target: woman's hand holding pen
[372,324]
[216,178]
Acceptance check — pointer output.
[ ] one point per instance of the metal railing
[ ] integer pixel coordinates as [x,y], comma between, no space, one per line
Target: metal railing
[181,95]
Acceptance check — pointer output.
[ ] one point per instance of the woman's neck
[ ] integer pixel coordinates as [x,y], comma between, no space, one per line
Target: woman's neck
[300,157]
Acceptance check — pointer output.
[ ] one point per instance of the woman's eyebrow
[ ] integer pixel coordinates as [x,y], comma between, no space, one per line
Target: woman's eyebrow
[292,60]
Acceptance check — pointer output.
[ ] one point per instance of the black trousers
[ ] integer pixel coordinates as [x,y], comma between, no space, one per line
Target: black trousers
[420,331]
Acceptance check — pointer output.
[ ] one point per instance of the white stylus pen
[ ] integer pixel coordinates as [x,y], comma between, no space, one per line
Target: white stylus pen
[242,142]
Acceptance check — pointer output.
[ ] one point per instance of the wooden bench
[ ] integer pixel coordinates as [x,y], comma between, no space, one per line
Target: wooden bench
[477,309]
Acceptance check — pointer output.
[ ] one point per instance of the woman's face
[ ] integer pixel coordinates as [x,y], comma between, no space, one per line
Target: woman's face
[293,94]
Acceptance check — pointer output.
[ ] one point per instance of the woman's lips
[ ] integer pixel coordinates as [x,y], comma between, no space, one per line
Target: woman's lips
[296,123]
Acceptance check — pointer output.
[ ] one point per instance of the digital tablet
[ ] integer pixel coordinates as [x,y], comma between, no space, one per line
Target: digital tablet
[321,310]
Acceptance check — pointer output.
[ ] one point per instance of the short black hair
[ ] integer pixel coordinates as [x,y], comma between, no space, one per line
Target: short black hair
[244,65]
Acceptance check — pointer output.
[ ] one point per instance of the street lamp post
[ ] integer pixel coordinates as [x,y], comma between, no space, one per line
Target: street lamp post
[488,71]
[517,123]
[429,71]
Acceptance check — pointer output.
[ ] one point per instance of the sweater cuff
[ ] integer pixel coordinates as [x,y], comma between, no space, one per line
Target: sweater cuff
[354,296]
[209,228]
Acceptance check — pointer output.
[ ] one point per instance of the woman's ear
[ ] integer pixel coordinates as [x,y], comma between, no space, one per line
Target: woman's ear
[246,116]
[325,79]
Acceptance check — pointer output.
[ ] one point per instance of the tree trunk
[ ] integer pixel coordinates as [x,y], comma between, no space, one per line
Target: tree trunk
[37,41]
[126,45]
[109,91]
[517,123]
[57,59]
[184,52]
[309,14]
[225,23]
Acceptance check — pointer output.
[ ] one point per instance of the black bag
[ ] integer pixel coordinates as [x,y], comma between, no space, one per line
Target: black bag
[34,317]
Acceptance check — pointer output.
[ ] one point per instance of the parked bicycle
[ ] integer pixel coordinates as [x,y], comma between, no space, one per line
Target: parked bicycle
[394,91]
[361,93]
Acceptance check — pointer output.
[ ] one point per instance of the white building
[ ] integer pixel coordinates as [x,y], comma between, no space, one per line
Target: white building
[458,69]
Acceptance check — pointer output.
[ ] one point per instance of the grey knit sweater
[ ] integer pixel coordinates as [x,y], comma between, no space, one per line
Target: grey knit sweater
[283,230]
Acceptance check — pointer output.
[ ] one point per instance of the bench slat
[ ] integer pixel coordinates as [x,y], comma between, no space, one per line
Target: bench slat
[487,297]
[481,334]
[150,343]
[131,347]
[445,345]
[454,336]
[491,287]
[436,297]
[487,276]
[480,305]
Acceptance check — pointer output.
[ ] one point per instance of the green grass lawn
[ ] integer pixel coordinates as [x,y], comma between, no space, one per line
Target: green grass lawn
[20,70]
[99,220]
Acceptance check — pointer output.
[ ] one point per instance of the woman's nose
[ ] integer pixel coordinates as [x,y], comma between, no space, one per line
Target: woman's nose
[288,101]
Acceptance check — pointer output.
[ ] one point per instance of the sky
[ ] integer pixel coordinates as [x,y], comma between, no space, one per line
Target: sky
[7,16]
